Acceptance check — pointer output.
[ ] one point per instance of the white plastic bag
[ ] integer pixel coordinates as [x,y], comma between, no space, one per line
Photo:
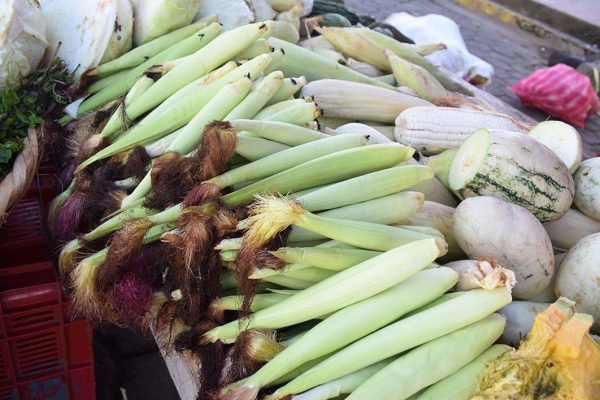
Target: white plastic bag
[434,28]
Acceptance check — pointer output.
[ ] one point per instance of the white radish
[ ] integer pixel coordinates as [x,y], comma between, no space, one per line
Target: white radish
[587,187]
[579,276]
[489,228]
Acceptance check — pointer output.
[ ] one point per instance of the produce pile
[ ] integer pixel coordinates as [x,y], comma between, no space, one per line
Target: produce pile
[256,202]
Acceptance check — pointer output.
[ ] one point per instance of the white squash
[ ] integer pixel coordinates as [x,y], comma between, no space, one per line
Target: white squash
[490,228]
[519,320]
[562,139]
[587,187]
[579,276]
[516,168]
[570,228]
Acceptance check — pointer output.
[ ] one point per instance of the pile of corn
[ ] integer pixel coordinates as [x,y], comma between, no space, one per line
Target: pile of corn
[223,195]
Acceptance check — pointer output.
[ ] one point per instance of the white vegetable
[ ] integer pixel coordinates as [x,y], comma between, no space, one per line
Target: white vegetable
[548,295]
[587,187]
[232,13]
[570,228]
[486,227]
[22,40]
[122,36]
[519,320]
[261,9]
[562,139]
[154,18]
[579,276]
[83,28]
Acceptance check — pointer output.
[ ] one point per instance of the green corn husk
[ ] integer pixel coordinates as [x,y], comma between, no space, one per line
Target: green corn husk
[385,210]
[403,335]
[379,183]
[258,97]
[441,164]
[432,361]
[259,302]
[155,126]
[461,384]
[218,51]
[254,149]
[290,87]
[356,321]
[146,51]
[271,215]
[332,258]
[416,78]
[327,169]
[290,158]
[338,291]
[261,46]
[344,385]
[289,134]
[107,81]
[189,137]
[193,43]
[300,61]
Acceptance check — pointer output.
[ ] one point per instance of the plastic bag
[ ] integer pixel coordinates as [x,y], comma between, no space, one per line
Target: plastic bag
[456,59]
[560,91]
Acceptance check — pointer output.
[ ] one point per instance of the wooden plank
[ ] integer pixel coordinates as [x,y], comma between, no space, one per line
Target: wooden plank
[183,368]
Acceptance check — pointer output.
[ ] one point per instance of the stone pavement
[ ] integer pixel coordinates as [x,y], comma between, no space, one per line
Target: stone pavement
[513,53]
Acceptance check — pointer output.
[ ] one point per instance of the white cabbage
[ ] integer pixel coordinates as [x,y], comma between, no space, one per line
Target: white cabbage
[231,13]
[89,31]
[261,9]
[22,40]
[154,18]
[122,36]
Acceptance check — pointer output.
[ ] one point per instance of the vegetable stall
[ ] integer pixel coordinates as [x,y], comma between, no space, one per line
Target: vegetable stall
[298,204]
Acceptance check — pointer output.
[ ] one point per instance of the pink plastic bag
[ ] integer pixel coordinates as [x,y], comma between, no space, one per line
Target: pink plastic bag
[560,91]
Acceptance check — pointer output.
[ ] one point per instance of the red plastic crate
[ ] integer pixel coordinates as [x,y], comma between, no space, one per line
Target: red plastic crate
[48,351]
[30,299]
[76,384]
[23,238]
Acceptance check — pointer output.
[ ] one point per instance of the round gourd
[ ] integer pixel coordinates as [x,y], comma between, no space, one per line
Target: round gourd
[490,228]
[587,187]
[579,276]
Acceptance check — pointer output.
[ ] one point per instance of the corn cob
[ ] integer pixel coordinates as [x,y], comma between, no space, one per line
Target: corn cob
[300,61]
[385,210]
[356,101]
[416,78]
[290,87]
[432,130]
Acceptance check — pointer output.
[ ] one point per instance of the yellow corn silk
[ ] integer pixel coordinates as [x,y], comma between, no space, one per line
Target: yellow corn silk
[557,361]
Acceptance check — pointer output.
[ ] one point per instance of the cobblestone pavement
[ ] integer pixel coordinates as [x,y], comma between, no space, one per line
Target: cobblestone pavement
[513,53]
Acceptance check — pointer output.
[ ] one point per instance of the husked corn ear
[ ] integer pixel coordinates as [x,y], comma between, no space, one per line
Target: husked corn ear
[359,101]
[432,130]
